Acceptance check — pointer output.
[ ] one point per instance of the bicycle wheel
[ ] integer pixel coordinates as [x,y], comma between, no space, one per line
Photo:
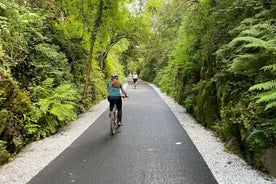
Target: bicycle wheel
[113,122]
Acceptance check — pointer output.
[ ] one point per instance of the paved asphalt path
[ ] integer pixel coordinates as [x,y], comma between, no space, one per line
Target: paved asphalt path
[150,148]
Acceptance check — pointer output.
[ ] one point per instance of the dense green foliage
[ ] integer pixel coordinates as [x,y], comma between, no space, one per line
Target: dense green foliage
[218,60]
[45,52]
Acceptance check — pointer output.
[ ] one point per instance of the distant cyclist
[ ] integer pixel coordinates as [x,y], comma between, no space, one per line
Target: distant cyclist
[114,96]
[135,78]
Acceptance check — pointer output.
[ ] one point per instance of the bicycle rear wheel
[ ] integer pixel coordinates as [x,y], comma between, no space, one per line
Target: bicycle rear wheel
[113,122]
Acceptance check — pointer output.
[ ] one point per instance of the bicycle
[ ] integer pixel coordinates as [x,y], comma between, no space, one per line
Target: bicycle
[114,126]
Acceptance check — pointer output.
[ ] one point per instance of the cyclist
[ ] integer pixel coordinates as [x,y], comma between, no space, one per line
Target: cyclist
[114,96]
[135,78]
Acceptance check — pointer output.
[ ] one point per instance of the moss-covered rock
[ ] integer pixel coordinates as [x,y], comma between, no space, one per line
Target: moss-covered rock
[270,160]
[206,108]
[12,98]
[13,104]
[11,131]
[4,154]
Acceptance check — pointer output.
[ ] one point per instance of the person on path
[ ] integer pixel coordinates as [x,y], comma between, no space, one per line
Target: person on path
[135,79]
[114,96]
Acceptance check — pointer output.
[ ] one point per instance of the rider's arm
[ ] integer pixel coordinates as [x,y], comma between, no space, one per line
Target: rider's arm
[123,91]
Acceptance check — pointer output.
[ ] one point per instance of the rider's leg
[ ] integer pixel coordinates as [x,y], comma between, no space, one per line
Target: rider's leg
[111,104]
[119,107]
[135,81]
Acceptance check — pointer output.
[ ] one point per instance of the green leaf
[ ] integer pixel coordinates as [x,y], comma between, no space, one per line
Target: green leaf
[271,105]
[64,112]
[264,86]
[267,96]
[31,129]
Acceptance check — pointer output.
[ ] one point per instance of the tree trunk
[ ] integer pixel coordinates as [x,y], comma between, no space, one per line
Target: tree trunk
[93,37]
[103,55]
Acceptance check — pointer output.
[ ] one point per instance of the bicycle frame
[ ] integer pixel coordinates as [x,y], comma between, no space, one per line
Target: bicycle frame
[114,119]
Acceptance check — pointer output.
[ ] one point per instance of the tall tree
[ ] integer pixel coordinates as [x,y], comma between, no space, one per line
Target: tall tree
[93,36]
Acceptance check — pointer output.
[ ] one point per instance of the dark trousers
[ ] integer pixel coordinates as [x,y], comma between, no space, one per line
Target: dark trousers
[118,101]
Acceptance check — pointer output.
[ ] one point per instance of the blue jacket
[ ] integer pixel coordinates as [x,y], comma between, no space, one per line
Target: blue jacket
[112,91]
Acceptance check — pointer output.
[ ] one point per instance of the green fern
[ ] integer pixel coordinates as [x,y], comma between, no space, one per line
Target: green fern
[242,62]
[54,107]
[264,86]
[270,67]
[2,6]
[269,96]
[3,24]
[270,105]
[31,129]
[252,48]
[64,112]
[269,88]
[254,42]
[44,105]
[64,93]
[61,99]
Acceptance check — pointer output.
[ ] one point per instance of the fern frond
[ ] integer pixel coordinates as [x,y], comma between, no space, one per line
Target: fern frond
[4,24]
[44,104]
[270,105]
[264,86]
[29,17]
[48,82]
[31,128]
[247,40]
[270,67]
[3,19]
[39,93]
[255,30]
[241,62]
[268,96]
[250,33]
[220,53]
[260,44]
[64,112]
[2,6]
[65,93]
